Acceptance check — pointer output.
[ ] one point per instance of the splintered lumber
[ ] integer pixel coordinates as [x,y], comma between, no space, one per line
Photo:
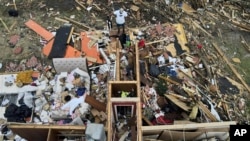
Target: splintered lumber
[231,66]
[153,42]
[202,29]
[179,103]
[13,25]
[242,26]
[62,20]
[78,23]
[95,103]
[168,79]
[117,60]
[80,4]
[5,26]
[243,41]
[183,98]
[206,111]
[70,34]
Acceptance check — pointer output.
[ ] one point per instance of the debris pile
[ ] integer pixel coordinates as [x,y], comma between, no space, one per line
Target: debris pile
[185,76]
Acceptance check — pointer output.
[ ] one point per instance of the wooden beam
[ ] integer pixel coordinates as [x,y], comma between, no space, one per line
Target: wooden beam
[70,34]
[36,126]
[138,104]
[5,26]
[61,20]
[109,109]
[118,70]
[78,23]
[80,4]
[123,82]
[129,99]
[207,111]
[231,66]
[204,126]
[178,102]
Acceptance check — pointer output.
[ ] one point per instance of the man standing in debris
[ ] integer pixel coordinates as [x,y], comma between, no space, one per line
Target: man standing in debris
[120,19]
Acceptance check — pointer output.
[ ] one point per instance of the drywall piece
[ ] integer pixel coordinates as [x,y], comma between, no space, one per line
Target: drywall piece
[39,30]
[95,132]
[69,64]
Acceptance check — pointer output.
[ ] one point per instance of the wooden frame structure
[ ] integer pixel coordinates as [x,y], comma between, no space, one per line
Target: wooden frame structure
[50,132]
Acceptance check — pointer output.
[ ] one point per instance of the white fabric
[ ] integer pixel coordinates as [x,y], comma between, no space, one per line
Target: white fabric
[120,17]
[161,60]
[27,98]
[72,104]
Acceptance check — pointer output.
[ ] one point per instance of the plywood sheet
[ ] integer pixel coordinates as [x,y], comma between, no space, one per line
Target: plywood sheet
[182,40]
[39,30]
[69,64]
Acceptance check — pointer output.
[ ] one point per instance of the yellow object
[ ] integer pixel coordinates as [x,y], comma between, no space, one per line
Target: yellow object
[194,112]
[24,77]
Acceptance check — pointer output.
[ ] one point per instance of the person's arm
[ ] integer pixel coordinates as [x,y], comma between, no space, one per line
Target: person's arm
[125,14]
[115,13]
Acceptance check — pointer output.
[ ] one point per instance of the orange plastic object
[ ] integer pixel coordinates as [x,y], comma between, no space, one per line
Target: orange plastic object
[39,30]
[90,51]
[71,52]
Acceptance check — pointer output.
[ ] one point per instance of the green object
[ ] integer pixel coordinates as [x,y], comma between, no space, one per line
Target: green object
[161,87]
[127,44]
[124,94]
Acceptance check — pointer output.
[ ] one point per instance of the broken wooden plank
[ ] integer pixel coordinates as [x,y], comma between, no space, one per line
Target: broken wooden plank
[134,8]
[4,24]
[242,26]
[231,66]
[70,34]
[80,4]
[167,78]
[91,52]
[78,23]
[202,29]
[206,111]
[245,44]
[95,103]
[62,20]
[179,103]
